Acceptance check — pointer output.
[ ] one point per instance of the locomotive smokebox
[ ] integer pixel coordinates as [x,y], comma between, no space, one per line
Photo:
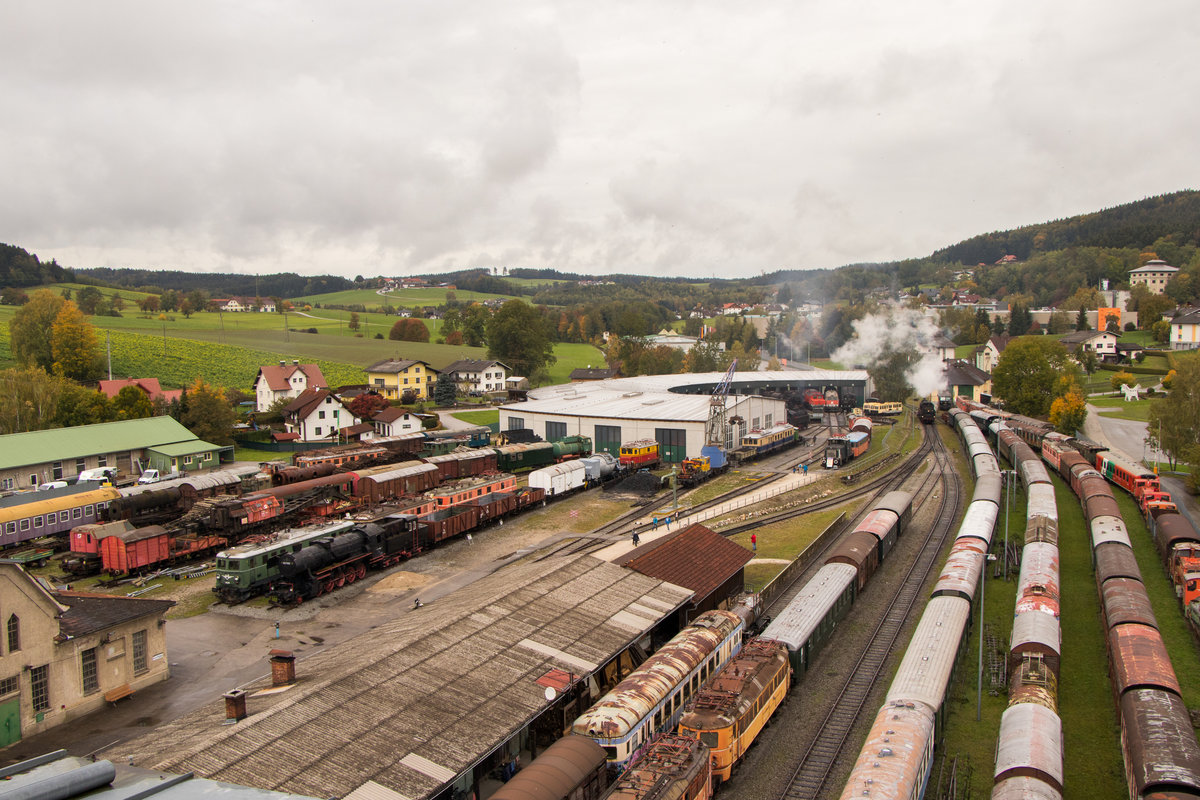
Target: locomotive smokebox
[283,669]
[235,705]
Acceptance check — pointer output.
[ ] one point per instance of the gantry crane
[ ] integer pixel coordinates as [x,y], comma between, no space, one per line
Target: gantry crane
[714,428]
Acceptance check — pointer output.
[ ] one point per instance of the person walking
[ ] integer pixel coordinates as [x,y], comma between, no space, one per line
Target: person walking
[754,542]
[636,539]
[806,469]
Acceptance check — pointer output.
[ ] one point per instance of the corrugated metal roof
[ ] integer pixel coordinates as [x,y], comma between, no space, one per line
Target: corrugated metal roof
[60,444]
[436,688]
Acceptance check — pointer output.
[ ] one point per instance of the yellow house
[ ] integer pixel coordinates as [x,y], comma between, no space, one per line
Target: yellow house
[391,377]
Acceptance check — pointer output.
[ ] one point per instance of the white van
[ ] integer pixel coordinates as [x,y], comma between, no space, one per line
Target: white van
[45,487]
[98,475]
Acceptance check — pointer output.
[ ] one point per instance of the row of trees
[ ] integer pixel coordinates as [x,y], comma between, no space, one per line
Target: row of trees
[32,400]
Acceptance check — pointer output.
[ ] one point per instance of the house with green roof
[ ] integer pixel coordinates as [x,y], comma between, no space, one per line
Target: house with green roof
[132,446]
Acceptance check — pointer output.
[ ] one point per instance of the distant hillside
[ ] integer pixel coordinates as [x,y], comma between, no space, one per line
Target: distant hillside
[20,268]
[1135,225]
[217,284]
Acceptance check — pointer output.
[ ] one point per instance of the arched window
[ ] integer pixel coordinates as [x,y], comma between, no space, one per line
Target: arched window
[14,634]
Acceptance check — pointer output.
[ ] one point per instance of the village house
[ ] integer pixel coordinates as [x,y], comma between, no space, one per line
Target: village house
[275,383]
[316,415]
[987,356]
[393,376]
[1185,331]
[149,386]
[477,376]
[395,421]
[243,304]
[67,654]
[1102,343]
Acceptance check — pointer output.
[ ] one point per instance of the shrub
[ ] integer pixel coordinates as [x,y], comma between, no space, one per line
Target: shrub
[1129,326]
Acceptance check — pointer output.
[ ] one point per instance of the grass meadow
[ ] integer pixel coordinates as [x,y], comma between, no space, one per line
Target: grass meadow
[228,349]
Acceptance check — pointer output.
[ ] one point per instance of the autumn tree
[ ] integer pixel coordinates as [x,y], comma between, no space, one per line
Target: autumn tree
[30,329]
[517,335]
[28,399]
[704,356]
[208,416]
[1120,379]
[80,406]
[1027,374]
[367,405]
[353,324]
[88,299]
[409,330]
[74,346]
[132,403]
[1174,422]
[1069,412]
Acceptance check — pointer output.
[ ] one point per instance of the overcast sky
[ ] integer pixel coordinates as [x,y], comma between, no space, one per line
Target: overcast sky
[673,138]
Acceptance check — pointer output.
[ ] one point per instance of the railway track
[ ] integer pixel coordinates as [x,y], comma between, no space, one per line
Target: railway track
[812,772]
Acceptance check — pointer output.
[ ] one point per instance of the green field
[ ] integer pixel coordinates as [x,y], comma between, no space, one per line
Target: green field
[485,417]
[228,349]
[1138,410]
[370,298]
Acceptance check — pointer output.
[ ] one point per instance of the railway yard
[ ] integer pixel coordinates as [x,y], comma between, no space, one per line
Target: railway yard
[799,515]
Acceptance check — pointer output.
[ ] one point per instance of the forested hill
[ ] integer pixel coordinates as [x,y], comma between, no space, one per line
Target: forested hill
[1175,216]
[20,268]
[217,284]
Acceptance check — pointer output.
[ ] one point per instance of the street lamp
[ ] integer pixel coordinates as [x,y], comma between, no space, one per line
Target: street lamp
[982,588]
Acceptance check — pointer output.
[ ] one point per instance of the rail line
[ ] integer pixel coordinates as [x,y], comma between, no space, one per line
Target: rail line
[812,772]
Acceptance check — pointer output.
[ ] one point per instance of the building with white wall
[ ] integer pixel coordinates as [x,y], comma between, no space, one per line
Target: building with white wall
[671,409]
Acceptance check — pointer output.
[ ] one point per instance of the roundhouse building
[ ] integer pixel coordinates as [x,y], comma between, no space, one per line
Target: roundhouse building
[671,409]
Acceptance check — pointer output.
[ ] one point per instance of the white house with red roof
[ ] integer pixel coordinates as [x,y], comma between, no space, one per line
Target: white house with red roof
[318,416]
[286,380]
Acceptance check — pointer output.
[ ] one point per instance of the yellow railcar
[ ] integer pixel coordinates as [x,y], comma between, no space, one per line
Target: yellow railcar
[728,713]
[32,515]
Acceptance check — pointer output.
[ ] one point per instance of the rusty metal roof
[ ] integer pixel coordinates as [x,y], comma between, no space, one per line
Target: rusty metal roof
[415,702]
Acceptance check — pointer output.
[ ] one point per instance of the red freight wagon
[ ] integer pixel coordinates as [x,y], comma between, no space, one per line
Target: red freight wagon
[131,551]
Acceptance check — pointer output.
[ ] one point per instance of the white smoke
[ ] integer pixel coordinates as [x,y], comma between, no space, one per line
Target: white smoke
[897,329]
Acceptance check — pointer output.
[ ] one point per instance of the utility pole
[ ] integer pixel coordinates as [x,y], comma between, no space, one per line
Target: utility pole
[108,347]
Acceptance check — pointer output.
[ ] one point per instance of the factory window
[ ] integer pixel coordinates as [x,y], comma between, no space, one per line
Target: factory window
[516,423]
[672,444]
[7,483]
[87,668]
[33,479]
[102,461]
[555,431]
[80,465]
[767,420]
[58,473]
[9,685]
[14,633]
[39,681]
[139,652]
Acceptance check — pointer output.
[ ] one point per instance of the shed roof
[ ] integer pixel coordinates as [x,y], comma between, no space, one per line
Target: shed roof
[695,558]
[63,444]
[962,373]
[1154,266]
[394,365]
[417,701]
[89,613]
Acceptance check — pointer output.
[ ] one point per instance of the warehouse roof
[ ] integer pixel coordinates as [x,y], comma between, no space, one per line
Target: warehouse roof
[417,701]
[63,444]
[184,448]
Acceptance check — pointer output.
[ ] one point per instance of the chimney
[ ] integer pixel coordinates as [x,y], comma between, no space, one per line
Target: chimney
[295,362]
[235,705]
[283,363]
[283,668]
